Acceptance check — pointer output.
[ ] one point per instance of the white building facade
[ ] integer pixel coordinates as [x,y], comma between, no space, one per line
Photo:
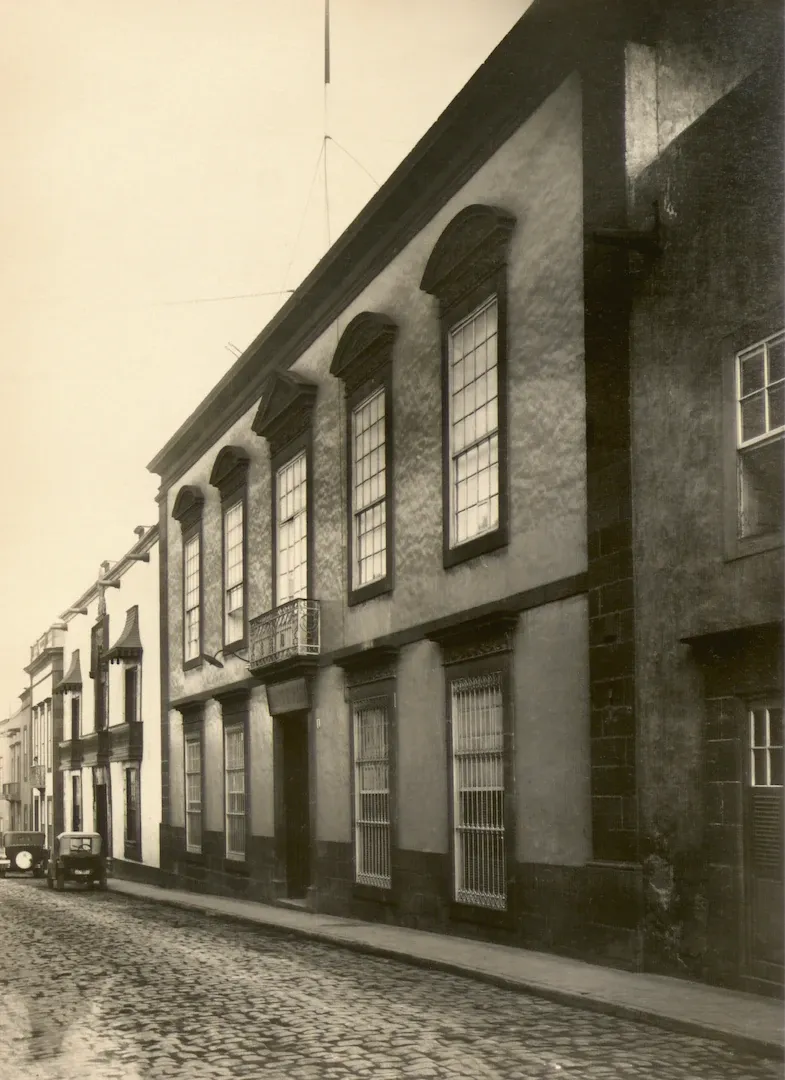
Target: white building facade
[109,752]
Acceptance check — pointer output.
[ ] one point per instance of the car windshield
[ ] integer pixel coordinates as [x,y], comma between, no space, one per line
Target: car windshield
[23,839]
[81,843]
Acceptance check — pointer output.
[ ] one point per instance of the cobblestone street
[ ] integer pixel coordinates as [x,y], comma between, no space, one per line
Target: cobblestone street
[101,987]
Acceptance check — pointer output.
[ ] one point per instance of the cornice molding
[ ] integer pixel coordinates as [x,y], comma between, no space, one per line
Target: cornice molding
[365,348]
[472,247]
[529,64]
[285,410]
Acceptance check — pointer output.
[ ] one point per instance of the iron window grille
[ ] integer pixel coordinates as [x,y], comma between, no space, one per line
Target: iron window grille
[234,750]
[193,793]
[372,792]
[477,745]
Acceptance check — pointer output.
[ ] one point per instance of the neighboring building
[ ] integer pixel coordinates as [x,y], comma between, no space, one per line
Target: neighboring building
[432,549]
[109,752]
[17,780]
[707,422]
[46,719]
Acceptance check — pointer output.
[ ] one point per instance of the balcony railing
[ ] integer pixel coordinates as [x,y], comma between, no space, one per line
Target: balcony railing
[11,790]
[52,639]
[285,633]
[38,776]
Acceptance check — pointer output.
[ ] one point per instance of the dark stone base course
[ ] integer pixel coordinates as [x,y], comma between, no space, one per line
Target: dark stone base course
[589,912]
[135,871]
[211,873]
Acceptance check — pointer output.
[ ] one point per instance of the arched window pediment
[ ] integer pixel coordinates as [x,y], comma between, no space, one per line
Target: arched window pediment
[473,246]
[365,347]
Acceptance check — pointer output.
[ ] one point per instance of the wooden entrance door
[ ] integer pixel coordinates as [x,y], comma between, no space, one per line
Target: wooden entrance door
[296,803]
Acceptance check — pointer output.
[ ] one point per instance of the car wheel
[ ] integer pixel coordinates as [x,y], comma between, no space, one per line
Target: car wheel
[60,882]
[23,860]
[101,884]
[49,883]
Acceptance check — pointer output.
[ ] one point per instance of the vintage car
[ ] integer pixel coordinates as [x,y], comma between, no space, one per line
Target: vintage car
[23,853]
[77,857]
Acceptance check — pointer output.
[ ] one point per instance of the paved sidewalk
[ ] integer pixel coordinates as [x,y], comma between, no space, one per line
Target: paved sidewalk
[746,1021]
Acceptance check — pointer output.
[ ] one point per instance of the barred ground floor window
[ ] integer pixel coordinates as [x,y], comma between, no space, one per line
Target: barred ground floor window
[193,793]
[477,752]
[234,758]
[372,792]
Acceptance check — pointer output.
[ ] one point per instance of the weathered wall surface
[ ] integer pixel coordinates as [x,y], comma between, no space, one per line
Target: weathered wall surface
[552,766]
[720,190]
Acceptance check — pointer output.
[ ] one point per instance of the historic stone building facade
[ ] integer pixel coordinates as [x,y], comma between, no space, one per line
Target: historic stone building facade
[449,556]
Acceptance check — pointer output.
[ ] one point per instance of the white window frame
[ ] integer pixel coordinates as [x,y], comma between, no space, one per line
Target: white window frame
[193,807]
[369,487]
[234,572]
[291,518]
[479,791]
[770,435]
[192,596]
[762,750]
[467,448]
[235,813]
[372,795]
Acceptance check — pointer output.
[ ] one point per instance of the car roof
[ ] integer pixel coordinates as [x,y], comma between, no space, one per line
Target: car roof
[77,835]
[23,832]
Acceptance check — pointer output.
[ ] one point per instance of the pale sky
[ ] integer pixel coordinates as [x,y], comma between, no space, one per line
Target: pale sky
[157,153]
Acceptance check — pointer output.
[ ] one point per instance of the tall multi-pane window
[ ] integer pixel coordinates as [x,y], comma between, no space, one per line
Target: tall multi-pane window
[133,806]
[131,679]
[760,430]
[48,730]
[191,596]
[193,792]
[474,425]
[372,792]
[477,719]
[234,779]
[234,614]
[369,495]
[291,530]
[76,705]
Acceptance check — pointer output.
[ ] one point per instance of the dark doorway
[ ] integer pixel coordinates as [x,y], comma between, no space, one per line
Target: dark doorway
[294,729]
[102,815]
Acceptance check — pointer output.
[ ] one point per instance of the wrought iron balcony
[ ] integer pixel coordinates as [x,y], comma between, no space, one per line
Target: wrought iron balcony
[11,791]
[38,776]
[285,635]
